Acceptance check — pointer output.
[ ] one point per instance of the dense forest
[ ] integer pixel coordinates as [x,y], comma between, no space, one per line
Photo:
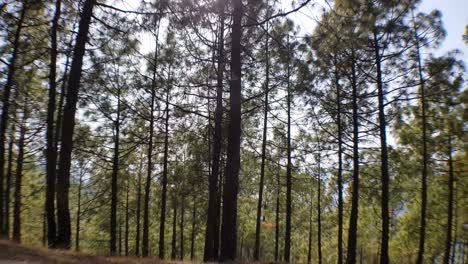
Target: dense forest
[298,131]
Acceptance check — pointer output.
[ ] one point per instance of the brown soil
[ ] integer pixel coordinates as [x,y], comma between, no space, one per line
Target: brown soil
[11,253]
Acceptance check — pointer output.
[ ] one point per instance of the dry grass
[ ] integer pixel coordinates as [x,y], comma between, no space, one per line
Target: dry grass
[14,253]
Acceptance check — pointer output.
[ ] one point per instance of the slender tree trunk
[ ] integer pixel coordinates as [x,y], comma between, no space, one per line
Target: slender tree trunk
[212,221]
[138,210]
[19,174]
[383,155]
[319,207]
[309,246]
[448,240]
[353,220]
[222,176]
[192,236]
[51,150]
[174,232]
[424,161]
[63,177]
[340,167]
[277,216]
[115,174]
[5,111]
[455,225]
[144,245]
[231,182]
[287,238]
[78,214]
[264,141]
[162,221]
[9,175]
[127,216]
[182,214]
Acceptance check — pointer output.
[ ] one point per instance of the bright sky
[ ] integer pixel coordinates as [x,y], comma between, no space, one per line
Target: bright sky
[455,17]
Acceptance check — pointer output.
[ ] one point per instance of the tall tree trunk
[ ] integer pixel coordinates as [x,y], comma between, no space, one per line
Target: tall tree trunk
[277,216]
[5,111]
[219,198]
[340,166]
[287,238]
[51,150]
[9,177]
[212,220]
[231,182]
[385,178]
[451,179]
[319,208]
[63,177]
[127,216]
[63,91]
[144,245]
[78,214]
[353,220]
[115,174]
[174,231]
[192,236]
[425,158]
[182,214]
[309,246]
[138,210]
[264,141]
[162,221]
[19,174]
[455,225]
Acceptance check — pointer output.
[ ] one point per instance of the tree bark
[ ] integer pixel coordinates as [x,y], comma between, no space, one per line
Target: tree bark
[78,214]
[5,111]
[425,158]
[9,177]
[63,177]
[212,221]
[451,180]
[182,214]
[385,178]
[115,173]
[138,210]
[162,221]
[319,208]
[309,246]
[264,141]
[231,182]
[353,220]
[340,167]
[277,228]
[51,150]
[19,174]
[287,238]
[174,232]
[127,216]
[144,245]
[192,236]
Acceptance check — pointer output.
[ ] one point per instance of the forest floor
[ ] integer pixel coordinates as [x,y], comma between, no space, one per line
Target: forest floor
[11,253]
